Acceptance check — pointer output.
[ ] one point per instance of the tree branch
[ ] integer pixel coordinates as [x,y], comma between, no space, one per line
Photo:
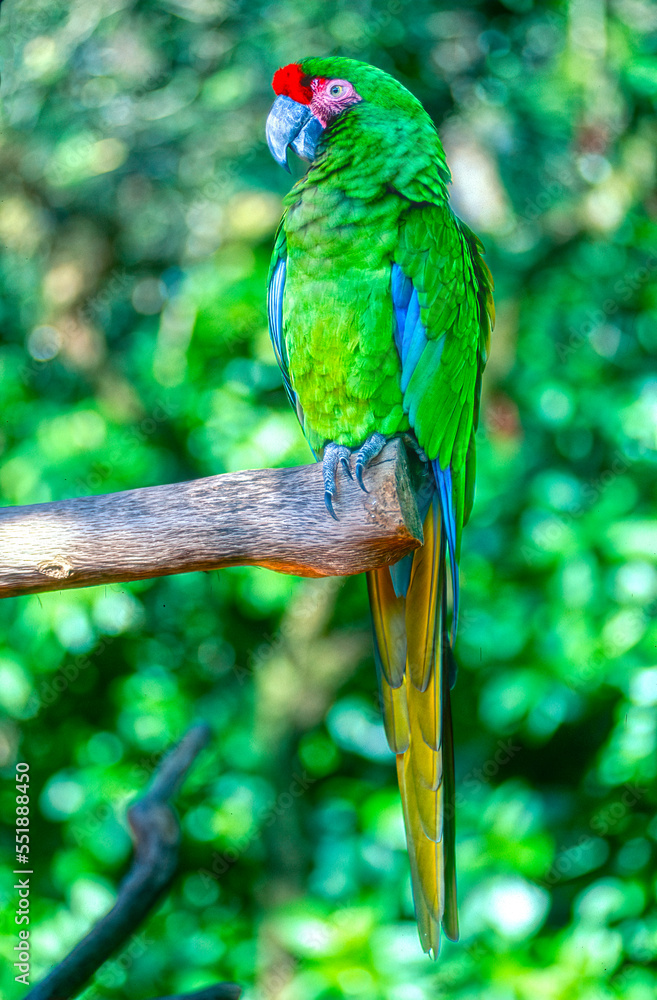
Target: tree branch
[157,836]
[271,517]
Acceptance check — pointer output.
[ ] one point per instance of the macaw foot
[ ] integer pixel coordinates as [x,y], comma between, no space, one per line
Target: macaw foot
[337,454]
[334,455]
[411,443]
[365,454]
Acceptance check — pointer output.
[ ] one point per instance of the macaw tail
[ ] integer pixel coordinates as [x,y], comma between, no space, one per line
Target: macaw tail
[415,666]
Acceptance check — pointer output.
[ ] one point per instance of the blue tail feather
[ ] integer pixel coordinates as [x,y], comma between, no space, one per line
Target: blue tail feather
[444,483]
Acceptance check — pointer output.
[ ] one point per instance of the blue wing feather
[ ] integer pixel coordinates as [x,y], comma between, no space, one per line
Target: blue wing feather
[402,289]
[443,479]
[275,290]
[411,341]
[275,313]
[414,340]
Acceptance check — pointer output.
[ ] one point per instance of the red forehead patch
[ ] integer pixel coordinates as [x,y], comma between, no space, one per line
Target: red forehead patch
[291,81]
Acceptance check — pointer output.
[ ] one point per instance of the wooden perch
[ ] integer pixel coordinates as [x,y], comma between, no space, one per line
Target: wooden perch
[271,517]
[157,836]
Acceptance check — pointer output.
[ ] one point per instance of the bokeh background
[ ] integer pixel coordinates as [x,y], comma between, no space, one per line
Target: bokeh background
[137,211]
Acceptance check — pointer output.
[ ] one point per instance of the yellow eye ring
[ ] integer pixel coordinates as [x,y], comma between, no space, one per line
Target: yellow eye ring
[336,90]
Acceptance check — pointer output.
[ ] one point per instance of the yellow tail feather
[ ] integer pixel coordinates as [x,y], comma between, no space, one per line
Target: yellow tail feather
[417,717]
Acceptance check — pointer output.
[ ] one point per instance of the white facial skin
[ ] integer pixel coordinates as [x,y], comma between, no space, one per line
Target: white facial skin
[330,97]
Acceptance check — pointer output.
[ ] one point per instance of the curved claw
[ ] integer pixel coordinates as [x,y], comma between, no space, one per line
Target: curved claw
[335,455]
[344,462]
[366,453]
[328,500]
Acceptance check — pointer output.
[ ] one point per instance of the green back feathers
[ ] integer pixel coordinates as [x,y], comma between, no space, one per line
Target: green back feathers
[374,85]
[387,138]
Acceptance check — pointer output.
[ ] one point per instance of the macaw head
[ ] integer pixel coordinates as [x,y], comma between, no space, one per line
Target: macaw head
[313,93]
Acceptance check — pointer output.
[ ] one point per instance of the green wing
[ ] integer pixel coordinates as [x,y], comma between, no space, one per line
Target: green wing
[441,292]
[441,373]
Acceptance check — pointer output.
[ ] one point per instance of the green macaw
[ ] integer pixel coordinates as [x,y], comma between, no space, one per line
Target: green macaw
[380,312]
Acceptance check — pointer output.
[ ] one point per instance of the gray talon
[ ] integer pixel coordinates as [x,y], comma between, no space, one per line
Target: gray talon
[334,455]
[328,500]
[366,453]
[413,445]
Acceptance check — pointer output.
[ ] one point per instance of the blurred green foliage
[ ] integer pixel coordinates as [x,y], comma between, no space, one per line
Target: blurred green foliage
[137,212]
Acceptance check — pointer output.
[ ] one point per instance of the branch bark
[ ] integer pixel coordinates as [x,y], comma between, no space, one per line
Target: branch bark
[270,517]
[157,835]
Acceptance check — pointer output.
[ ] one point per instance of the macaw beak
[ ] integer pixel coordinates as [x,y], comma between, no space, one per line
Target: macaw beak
[292,124]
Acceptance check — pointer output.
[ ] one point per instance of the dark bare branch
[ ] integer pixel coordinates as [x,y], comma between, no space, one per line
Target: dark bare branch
[271,517]
[157,835]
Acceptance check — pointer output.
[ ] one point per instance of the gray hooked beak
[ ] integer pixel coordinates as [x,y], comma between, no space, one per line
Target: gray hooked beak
[292,124]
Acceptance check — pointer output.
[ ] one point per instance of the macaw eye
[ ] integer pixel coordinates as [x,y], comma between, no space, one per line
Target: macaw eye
[336,90]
